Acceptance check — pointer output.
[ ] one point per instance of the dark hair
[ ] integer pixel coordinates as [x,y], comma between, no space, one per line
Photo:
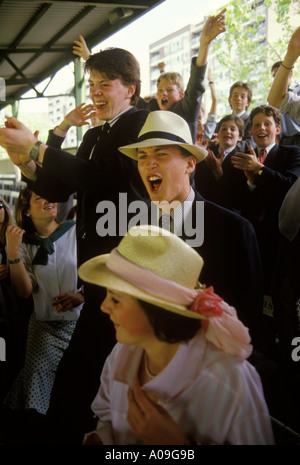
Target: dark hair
[237,120]
[6,222]
[117,63]
[21,209]
[245,86]
[168,326]
[276,65]
[267,110]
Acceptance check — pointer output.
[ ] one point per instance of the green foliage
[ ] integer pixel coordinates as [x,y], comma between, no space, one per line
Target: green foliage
[243,50]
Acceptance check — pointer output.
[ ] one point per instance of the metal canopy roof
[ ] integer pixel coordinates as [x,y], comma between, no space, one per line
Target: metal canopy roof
[37,36]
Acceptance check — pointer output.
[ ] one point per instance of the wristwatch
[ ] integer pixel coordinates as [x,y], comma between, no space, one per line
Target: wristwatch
[34,152]
[16,260]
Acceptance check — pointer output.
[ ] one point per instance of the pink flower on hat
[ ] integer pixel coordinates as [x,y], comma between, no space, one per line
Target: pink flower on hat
[207,303]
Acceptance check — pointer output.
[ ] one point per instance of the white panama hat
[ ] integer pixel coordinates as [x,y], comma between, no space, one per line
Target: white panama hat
[165,128]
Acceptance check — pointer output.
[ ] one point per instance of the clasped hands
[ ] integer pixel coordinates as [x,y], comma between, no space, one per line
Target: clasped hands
[247,162]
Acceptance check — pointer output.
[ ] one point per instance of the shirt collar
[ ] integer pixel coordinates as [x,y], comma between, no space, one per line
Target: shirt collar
[180,213]
[226,152]
[125,370]
[115,119]
[267,148]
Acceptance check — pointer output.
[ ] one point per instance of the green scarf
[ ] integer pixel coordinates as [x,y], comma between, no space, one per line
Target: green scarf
[46,243]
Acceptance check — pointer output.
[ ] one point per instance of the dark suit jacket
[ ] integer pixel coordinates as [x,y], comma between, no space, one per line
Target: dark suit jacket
[223,191]
[243,145]
[232,262]
[261,206]
[101,179]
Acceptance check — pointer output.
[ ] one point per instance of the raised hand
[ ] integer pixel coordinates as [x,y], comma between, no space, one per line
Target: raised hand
[80,115]
[214,163]
[14,236]
[214,26]
[80,48]
[17,140]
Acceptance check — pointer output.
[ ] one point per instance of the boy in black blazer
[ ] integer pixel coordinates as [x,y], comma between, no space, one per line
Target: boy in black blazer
[269,172]
[166,160]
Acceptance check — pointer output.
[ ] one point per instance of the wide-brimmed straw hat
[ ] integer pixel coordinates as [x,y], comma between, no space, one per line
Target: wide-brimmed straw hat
[155,266]
[165,128]
[148,249]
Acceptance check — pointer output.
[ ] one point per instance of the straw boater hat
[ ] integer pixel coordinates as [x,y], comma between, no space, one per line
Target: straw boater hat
[165,128]
[151,249]
[155,266]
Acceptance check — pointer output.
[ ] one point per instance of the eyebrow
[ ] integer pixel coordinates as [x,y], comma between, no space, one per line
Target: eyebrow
[157,149]
[101,82]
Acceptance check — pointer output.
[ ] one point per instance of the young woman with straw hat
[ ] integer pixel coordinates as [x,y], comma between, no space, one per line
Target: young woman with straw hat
[178,373]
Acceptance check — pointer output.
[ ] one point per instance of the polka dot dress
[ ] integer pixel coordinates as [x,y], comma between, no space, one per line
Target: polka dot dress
[46,343]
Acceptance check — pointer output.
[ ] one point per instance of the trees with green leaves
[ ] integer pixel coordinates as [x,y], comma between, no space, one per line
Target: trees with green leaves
[249,47]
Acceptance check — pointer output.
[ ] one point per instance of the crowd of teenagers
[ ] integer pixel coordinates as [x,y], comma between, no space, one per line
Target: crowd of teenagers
[154,306]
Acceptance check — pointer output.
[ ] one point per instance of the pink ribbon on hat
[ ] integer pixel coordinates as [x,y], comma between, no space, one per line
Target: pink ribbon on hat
[221,324]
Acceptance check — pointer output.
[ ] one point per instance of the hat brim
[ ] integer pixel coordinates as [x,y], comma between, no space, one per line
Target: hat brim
[130,150]
[95,271]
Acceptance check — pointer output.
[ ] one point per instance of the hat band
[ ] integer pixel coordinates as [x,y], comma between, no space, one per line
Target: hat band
[222,328]
[161,135]
[148,281]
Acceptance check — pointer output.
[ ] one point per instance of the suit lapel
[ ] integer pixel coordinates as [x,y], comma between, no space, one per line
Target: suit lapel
[271,160]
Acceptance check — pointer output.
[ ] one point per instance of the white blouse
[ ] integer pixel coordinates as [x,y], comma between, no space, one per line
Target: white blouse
[211,395]
[58,276]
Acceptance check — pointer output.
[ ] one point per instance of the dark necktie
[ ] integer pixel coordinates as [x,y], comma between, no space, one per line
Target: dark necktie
[104,129]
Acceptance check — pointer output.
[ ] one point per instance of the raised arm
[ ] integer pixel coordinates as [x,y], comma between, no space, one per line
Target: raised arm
[214,26]
[280,83]
[214,99]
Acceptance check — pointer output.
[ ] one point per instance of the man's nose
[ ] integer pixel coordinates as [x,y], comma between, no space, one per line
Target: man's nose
[151,162]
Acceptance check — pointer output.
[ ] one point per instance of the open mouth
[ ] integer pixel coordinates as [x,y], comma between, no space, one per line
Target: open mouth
[262,136]
[155,183]
[164,101]
[100,105]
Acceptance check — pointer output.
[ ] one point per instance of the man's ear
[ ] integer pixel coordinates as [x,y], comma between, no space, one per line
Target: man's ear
[191,164]
[229,98]
[181,95]
[130,90]
[278,129]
